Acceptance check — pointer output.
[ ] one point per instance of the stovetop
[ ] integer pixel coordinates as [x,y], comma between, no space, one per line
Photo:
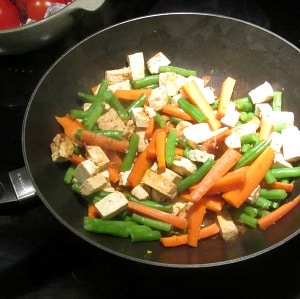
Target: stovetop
[40,258]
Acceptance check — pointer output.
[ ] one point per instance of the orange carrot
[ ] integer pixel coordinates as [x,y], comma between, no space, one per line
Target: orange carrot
[76,159]
[195,95]
[176,221]
[179,151]
[227,160]
[195,219]
[160,147]
[213,202]
[269,219]
[221,136]
[225,96]
[94,89]
[91,138]
[288,187]
[204,232]
[114,173]
[142,163]
[230,181]
[131,94]
[70,125]
[92,211]
[254,175]
[177,112]
[149,130]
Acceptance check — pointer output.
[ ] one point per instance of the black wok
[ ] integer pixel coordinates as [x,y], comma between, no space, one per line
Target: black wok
[213,45]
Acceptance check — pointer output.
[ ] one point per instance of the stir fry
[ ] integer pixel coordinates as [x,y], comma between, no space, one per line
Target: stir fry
[158,155]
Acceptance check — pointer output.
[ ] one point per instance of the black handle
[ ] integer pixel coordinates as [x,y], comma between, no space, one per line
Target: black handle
[16,191]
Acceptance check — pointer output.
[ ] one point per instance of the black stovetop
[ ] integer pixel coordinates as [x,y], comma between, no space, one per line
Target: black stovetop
[40,258]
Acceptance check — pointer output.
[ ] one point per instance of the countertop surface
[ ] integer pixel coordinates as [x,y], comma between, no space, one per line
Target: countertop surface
[40,258]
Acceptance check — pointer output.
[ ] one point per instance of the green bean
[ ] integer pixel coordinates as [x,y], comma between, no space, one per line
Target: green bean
[153,223]
[269,177]
[174,120]
[69,174]
[131,152]
[153,204]
[245,218]
[277,101]
[214,105]
[248,209]
[158,119]
[101,90]
[115,104]
[170,147]
[244,104]
[145,236]
[139,102]
[191,110]
[266,204]
[87,97]
[261,213]
[245,148]
[252,154]
[78,114]
[286,172]
[195,176]
[279,127]
[273,194]
[145,82]
[178,70]
[116,134]
[94,112]
[250,138]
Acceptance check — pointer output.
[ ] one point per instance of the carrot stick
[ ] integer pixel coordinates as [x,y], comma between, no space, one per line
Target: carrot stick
[195,95]
[204,232]
[227,160]
[195,219]
[213,202]
[254,175]
[149,130]
[266,128]
[225,96]
[269,219]
[177,112]
[179,151]
[221,136]
[160,147]
[288,187]
[142,163]
[230,181]
[76,159]
[69,125]
[131,94]
[91,138]
[92,211]
[176,221]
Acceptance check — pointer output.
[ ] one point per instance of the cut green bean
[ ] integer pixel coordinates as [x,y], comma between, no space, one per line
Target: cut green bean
[153,223]
[78,114]
[175,120]
[286,172]
[145,236]
[69,174]
[279,127]
[273,194]
[252,154]
[269,177]
[277,101]
[170,147]
[245,218]
[116,134]
[116,104]
[158,119]
[94,112]
[248,209]
[139,102]
[131,152]
[178,70]
[87,97]
[145,82]
[195,176]
[244,104]
[266,204]
[192,110]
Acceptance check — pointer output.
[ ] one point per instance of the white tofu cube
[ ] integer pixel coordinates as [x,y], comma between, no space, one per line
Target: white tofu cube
[93,184]
[197,133]
[97,156]
[140,117]
[183,166]
[279,161]
[137,65]
[231,116]
[291,144]
[112,204]
[119,75]
[263,110]
[168,81]
[229,230]
[276,141]
[167,173]
[281,117]
[158,98]
[140,192]
[126,85]
[200,156]
[233,140]
[84,170]
[156,61]
[261,93]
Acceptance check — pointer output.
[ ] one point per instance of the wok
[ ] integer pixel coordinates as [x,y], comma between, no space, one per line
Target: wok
[213,45]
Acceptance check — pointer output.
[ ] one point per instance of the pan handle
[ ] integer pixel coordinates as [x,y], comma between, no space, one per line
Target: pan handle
[16,191]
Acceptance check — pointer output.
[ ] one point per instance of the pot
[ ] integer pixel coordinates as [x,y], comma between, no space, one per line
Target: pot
[39,34]
[211,44]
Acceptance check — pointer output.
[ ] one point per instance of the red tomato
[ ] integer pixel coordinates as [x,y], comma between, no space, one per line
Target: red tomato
[9,15]
[36,8]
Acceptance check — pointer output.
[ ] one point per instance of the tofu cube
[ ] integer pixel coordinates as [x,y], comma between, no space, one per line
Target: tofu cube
[137,65]
[61,148]
[261,93]
[84,170]
[158,98]
[119,75]
[160,184]
[111,205]
[168,81]
[120,85]
[200,156]
[159,59]
[290,143]
[167,173]
[140,192]
[197,133]
[93,184]
[97,156]
[183,166]
[228,229]
[231,116]
[140,117]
